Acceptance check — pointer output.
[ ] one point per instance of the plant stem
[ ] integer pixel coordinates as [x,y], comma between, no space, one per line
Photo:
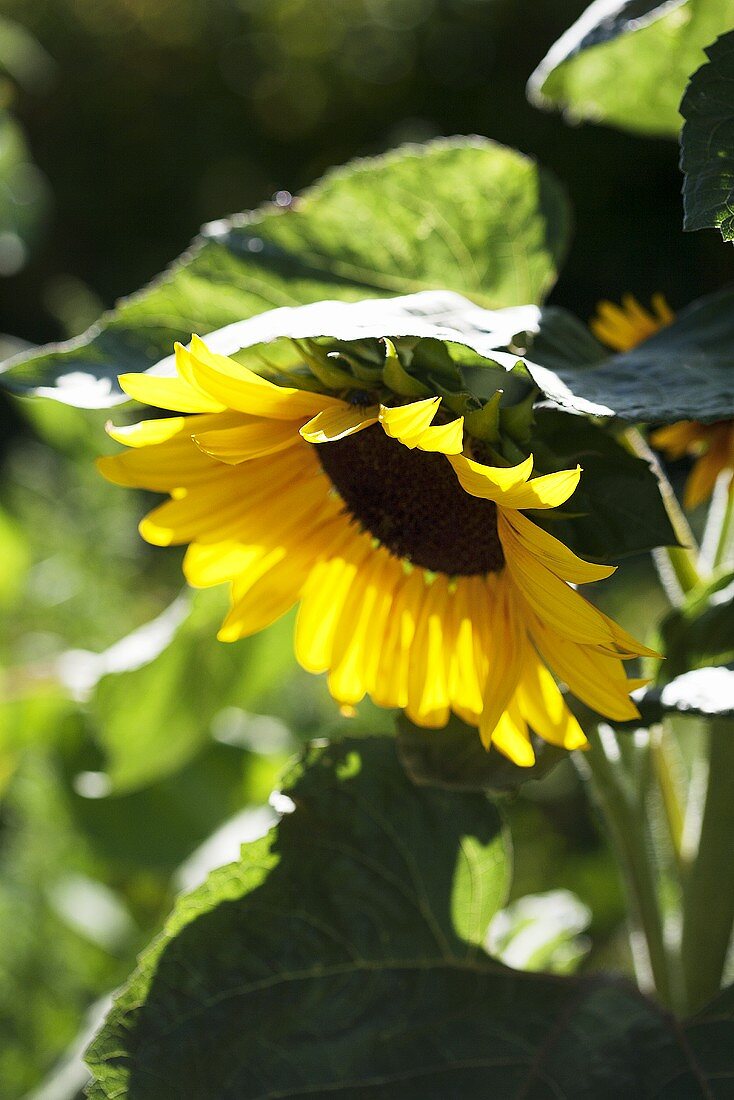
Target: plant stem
[725,546]
[667,775]
[683,559]
[632,846]
[708,899]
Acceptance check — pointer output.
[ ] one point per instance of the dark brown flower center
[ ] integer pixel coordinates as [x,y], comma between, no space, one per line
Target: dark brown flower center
[412,502]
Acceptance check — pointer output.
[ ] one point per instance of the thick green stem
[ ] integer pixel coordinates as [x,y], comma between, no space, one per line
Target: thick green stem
[632,845]
[666,769]
[708,900]
[683,559]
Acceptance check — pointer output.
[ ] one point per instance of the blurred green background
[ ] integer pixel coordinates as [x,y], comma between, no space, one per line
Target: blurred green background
[125,124]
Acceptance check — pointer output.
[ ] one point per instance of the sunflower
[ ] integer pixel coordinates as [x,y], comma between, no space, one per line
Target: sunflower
[420,580]
[624,327]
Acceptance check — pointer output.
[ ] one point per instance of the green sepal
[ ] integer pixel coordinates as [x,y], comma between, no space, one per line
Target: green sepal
[431,359]
[395,376]
[319,361]
[484,423]
[517,420]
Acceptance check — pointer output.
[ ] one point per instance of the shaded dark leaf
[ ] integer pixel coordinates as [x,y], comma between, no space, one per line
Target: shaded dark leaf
[617,508]
[341,956]
[707,142]
[454,758]
[683,372]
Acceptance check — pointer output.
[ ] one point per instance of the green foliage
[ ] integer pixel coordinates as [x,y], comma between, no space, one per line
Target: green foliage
[707,142]
[342,954]
[701,631]
[50,968]
[617,508]
[466,214]
[683,372]
[627,65]
[454,759]
[154,717]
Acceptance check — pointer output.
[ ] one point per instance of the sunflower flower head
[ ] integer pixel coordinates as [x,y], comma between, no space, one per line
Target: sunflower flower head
[711,445]
[349,488]
[623,327]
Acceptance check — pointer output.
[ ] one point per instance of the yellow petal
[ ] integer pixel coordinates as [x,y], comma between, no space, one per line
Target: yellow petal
[274,518]
[490,482]
[515,528]
[158,468]
[597,680]
[447,439]
[663,312]
[466,679]
[232,499]
[428,696]
[147,432]
[556,603]
[543,707]
[627,644]
[240,388]
[323,598]
[337,423]
[505,662]
[211,563]
[702,478]
[511,737]
[407,423]
[254,439]
[389,687]
[168,393]
[677,439]
[272,585]
[360,628]
[548,491]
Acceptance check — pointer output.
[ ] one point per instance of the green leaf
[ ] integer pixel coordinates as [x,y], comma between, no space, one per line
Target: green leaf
[153,711]
[454,759]
[617,508]
[463,213]
[627,64]
[707,142]
[683,372]
[701,631]
[562,340]
[341,957]
[156,828]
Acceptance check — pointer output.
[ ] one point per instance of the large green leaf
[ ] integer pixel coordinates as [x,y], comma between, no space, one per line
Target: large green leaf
[341,957]
[465,214]
[683,372]
[627,64]
[707,142]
